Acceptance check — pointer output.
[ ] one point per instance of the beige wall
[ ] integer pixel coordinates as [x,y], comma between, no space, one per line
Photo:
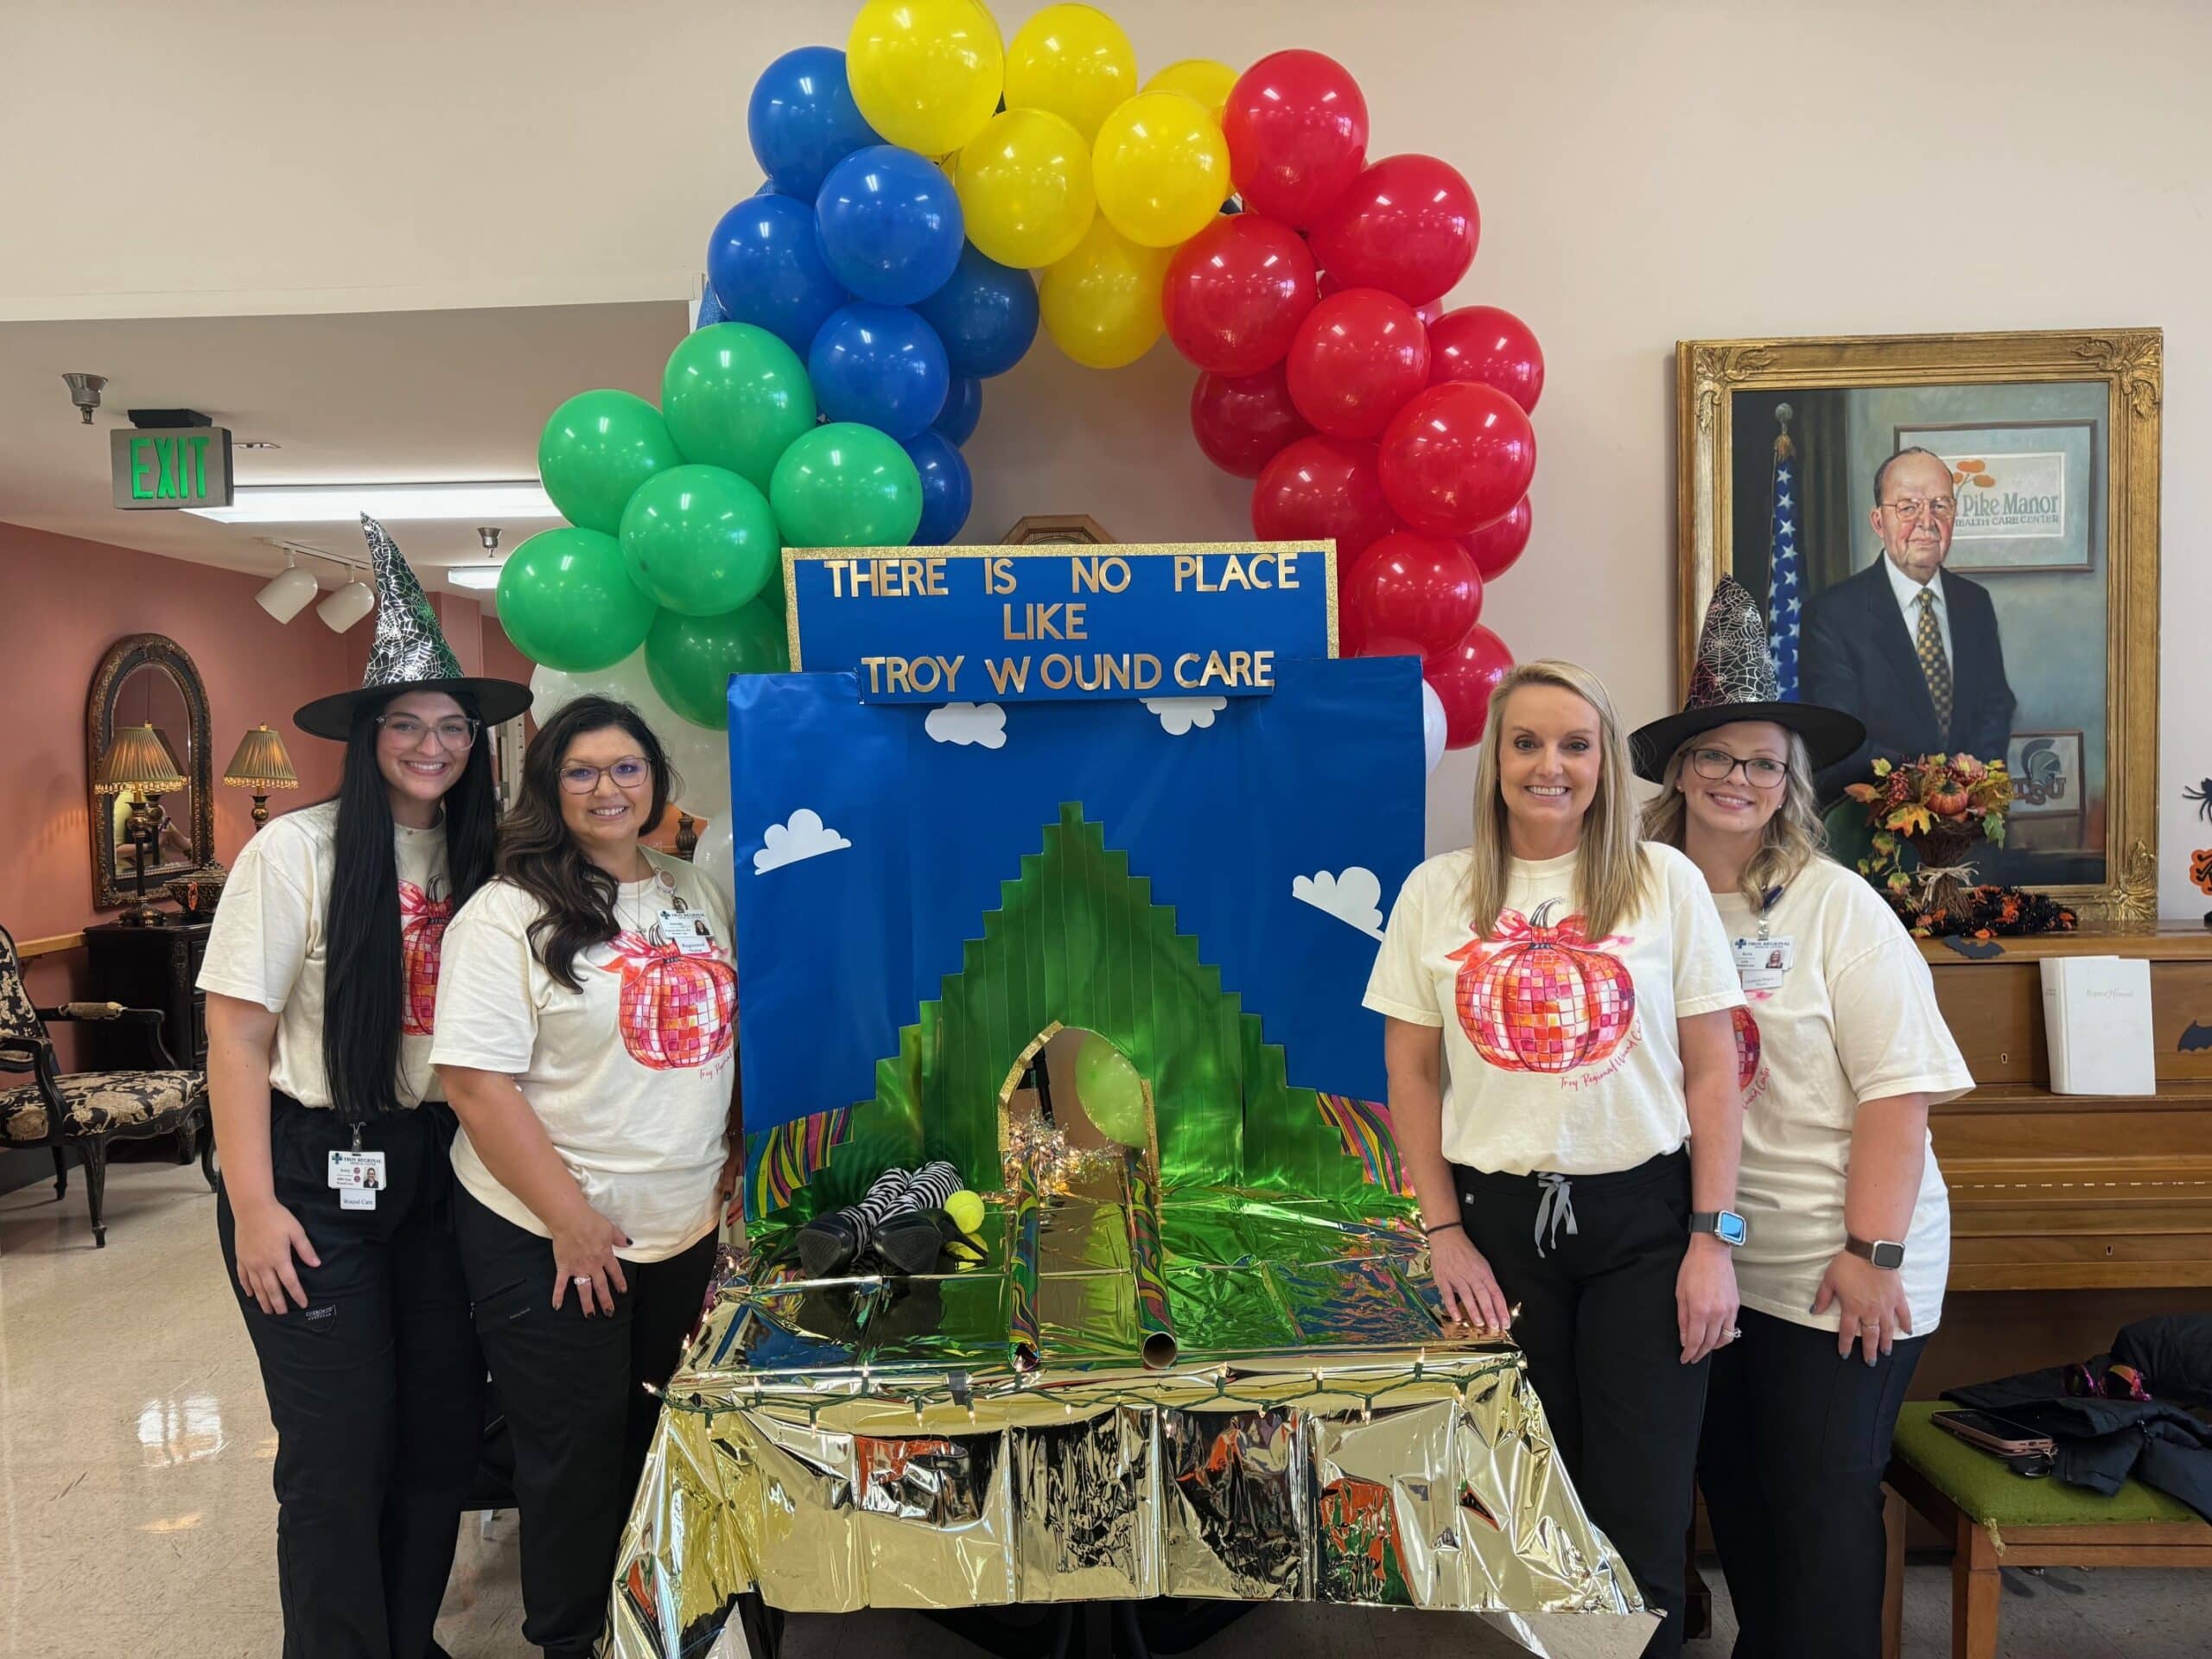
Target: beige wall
[1647,172]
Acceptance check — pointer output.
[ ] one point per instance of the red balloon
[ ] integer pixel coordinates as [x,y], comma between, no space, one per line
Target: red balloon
[1481,342]
[1423,589]
[1322,487]
[1456,458]
[1243,422]
[1430,313]
[1408,224]
[1463,677]
[1494,547]
[1357,357]
[1297,131]
[1236,292]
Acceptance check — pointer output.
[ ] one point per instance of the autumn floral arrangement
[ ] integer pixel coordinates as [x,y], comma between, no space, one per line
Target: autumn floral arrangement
[1939,808]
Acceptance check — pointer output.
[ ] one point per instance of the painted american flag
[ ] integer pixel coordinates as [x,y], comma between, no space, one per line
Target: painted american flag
[1785,588]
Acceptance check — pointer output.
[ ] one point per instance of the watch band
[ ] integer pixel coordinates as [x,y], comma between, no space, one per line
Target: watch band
[1883,1253]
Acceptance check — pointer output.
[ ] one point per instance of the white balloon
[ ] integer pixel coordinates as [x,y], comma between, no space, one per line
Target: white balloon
[1433,725]
[714,858]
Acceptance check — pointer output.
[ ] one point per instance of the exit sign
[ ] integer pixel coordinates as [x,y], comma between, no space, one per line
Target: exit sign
[170,466]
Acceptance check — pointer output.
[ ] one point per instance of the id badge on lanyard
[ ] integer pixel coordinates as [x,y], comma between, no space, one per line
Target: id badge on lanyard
[356,1176]
[1761,963]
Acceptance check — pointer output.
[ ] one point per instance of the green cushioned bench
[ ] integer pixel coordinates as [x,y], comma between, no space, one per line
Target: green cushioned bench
[1998,1519]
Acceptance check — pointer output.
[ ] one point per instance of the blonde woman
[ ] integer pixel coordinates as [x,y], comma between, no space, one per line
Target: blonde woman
[1842,1050]
[1557,999]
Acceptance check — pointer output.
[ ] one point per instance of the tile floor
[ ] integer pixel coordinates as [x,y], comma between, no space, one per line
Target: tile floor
[136,1516]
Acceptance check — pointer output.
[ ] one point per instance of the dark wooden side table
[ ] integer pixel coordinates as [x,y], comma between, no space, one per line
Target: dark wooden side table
[148,968]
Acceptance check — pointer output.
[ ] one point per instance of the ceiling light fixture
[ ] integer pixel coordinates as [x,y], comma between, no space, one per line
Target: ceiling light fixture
[347,605]
[287,593]
[299,504]
[481,577]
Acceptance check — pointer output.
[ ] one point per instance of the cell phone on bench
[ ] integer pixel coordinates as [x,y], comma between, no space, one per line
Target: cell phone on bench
[1994,1433]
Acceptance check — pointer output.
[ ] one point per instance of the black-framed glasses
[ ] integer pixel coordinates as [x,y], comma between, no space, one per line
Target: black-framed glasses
[454,732]
[630,771]
[1715,766]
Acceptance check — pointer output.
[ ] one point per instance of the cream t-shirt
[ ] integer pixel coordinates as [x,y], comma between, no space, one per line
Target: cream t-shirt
[271,944]
[1559,1051]
[1853,1018]
[631,1075]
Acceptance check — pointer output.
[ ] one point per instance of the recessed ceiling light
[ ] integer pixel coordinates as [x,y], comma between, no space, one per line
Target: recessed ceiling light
[297,504]
[254,443]
[482,577]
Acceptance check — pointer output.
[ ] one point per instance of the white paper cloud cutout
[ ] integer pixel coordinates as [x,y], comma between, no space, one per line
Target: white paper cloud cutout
[805,836]
[1178,715]
[967,723]
[1354,897]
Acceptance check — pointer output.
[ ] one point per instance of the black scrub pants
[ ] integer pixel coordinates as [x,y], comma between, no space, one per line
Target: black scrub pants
[375,1387]
[573,1390]
[1593,1269]
[1796,1439]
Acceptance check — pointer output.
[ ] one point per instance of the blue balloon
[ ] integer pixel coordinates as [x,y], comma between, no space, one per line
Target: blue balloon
[986,314]
[710,310]
[890,225]
[947,490]
[766,269]
[963,407]
[803,120]
[880,365]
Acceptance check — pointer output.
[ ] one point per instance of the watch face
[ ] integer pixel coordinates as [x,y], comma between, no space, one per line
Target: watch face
[1889,1255]
[1732,1229]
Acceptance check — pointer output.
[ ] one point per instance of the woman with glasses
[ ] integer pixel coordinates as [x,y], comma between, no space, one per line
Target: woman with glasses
[1840,1052]
[335,1216]
[587,1021]
[1557,1002]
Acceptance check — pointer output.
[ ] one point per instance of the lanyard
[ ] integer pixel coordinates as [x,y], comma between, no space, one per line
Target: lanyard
[1766,911]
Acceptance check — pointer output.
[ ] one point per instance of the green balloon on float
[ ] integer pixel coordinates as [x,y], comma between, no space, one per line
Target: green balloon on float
[1110,1092]
[596,451]
[735,397]
[844,484]
[700,540]
[567,600]
[691,658]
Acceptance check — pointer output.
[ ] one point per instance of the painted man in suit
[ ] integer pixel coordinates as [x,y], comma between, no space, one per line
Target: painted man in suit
[1911,650]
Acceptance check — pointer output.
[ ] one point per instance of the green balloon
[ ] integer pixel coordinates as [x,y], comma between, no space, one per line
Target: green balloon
[700,540]
[1110,1092]
[735,397]
[844,484]
[567,600]
[596,451]
[691,658]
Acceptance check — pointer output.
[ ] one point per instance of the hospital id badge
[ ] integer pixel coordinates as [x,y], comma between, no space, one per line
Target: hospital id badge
[1760,963]
[357,1177]
[686,930]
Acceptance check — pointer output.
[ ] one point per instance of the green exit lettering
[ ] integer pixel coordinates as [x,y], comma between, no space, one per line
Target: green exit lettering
[169,469]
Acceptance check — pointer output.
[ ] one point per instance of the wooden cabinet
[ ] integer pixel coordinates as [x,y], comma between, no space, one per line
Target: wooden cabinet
[147,967]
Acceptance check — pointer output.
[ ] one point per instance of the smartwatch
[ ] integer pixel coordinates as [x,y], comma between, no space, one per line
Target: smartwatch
[1882,1252]
[1724,1225]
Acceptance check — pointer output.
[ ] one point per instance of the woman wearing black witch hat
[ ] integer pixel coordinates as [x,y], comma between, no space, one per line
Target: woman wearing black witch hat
[335,1214]
[1841,1051]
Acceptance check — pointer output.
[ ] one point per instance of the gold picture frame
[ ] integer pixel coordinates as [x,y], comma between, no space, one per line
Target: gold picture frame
[2128,364]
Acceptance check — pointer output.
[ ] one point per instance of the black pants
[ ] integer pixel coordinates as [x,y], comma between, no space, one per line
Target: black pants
[375,1387]
[1598,1322]
[1795,1441]
[576,1408]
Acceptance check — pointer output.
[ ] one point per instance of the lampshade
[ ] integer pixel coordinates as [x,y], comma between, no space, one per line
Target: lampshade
[261,763]
[137,759]
[287,595]
[347,605]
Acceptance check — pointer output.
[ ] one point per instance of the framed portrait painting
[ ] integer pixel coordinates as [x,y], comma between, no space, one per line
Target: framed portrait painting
[1956,539]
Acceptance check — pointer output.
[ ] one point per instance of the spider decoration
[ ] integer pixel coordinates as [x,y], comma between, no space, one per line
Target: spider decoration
[2203,796]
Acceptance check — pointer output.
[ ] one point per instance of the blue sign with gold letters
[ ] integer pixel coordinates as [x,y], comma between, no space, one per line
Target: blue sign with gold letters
[1063,621]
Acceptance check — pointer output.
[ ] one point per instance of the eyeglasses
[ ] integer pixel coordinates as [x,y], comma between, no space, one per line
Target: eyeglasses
[456,732]
[629,773]
[1911,508]
[1715,766]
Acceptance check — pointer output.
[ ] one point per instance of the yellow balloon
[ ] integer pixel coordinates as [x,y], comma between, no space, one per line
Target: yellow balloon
[1073,62]
[1024,188]
[1201,79]
[1100,304]
[925,73]
[1162,169]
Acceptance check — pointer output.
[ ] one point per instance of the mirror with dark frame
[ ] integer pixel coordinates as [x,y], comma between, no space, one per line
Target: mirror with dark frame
[147,680]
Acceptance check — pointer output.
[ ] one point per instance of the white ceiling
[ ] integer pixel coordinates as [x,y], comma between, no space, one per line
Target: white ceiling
[412,397]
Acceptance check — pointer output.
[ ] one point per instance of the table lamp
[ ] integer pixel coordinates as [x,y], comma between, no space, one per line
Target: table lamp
[138,763]
[261,766]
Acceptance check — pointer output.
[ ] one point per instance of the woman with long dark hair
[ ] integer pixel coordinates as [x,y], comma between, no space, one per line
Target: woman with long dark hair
[586,1035]
[335,1213]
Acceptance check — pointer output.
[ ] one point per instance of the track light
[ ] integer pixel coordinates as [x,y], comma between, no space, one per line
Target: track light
[286,594]
[347,605]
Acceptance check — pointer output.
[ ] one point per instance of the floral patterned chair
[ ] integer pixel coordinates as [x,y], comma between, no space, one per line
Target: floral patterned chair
[87,1109]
